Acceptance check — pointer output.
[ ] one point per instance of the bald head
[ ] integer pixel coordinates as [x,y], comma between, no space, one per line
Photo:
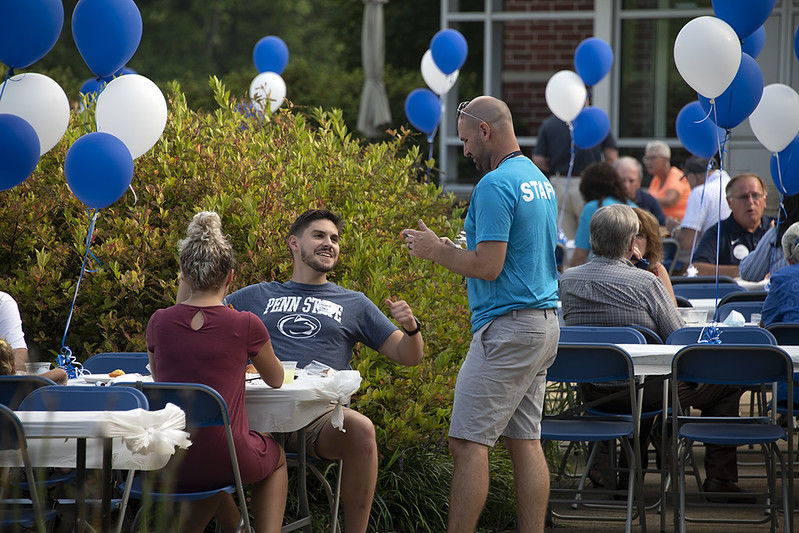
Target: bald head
[491,110]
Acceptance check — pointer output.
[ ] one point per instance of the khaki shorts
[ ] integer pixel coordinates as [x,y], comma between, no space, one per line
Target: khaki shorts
[501,384]
[312,432]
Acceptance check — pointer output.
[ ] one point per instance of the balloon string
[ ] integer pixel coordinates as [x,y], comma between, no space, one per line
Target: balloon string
[712,110]
[780,213]
[568,181]
[779,174]
[721,146]
[65,358]
[136,198]
[8,76]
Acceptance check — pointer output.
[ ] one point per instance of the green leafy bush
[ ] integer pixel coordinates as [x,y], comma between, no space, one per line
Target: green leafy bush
[259,174]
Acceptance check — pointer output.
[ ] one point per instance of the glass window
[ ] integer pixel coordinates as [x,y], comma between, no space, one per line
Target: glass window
[664,4]
[650,82]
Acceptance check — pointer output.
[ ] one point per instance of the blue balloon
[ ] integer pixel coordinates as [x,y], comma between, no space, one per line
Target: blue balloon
[30,28]
[19,150]
[590,127]
[753,44]
[592,60]
[99,169]
[121,72]
[786,178]
[270,54]
[698,134]
[423,109]
[107,33]
[745,16]
[93,87]
[449,50]
[796,43]
[738,101]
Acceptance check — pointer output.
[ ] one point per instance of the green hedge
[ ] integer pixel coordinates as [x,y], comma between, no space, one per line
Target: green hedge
[258,175]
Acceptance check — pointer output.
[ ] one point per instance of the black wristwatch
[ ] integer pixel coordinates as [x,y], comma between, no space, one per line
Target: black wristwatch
[413,331]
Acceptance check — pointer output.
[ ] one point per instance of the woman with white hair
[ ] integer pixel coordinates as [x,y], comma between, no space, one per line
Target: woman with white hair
[782,302]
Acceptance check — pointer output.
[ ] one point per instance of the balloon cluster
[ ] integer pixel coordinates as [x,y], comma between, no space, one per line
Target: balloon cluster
[566,93]
[34,110]
[440,67]
[270,55]
[716,57]
[130,111]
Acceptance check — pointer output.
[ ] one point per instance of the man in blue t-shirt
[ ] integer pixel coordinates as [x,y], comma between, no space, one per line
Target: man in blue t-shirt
[311,318]
[509,263]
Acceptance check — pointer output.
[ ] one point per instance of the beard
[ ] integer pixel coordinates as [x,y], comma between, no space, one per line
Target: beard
[310,259]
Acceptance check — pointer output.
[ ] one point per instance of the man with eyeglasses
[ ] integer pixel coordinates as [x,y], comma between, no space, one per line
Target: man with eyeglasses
[740,232]
[667,185]
[511,275]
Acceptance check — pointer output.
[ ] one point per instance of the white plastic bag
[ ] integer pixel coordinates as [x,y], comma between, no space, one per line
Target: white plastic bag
[338,389]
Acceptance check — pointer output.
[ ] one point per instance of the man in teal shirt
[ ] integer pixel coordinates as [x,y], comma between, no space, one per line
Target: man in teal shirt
[509,263]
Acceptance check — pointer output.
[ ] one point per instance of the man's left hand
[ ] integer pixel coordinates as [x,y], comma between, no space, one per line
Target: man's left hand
[421,243]
[401,312]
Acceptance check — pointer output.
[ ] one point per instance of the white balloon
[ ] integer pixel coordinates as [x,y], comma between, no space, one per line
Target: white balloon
[707,53]
[775,120]
[438,82]
[40,101]
[565,95]
[133,109]
[268,86]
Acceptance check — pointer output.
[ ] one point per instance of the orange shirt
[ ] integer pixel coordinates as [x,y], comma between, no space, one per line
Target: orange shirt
[658,188]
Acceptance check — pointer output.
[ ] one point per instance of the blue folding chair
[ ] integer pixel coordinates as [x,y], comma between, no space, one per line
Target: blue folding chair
[727,335]
[13,389]
[786,333]
[77,398]
[204,407]
[650,336]
[705,290]
[671,247]
[746,296]
[594,334]
[129,362]
[745,366]
[12,437]
[745,308]
[704,280]
[592,363]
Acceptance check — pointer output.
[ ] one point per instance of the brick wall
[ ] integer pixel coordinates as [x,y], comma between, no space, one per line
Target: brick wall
[535,50]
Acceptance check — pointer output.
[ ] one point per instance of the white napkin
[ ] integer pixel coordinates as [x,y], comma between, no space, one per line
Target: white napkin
[734,319]
[339,388]
[150,431]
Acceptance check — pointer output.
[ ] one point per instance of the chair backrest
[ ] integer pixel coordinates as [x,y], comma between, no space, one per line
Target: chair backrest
[560,252]
[786,333]
[732,364]
[650,336]
[682,301]
[684,280]
[594,334]
[587,363]
[727,335]
[202,404]
[705,290]
[14,389]
[745,296]
[81,398]
[129,362]
[745,308]
[12,433]
[670,249]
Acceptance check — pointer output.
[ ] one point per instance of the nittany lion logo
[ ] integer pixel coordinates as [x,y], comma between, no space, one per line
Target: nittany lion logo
[299,326]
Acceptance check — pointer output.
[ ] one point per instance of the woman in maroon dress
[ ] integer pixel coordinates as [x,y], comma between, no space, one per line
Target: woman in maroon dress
[199,340]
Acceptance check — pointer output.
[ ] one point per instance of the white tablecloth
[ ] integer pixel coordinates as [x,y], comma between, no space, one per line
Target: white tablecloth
[655,359]
[52,437]
[295,405]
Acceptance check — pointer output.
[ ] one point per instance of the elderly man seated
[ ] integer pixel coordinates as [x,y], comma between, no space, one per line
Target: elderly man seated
[782,302]
[631,172]
[740,232]
[610,291]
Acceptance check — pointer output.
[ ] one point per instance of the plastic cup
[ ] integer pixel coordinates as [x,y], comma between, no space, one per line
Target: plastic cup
[289,368]
[37,368]
[754,318]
